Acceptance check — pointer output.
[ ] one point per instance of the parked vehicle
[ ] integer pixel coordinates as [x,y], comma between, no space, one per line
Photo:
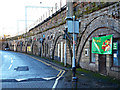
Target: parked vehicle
[7,49]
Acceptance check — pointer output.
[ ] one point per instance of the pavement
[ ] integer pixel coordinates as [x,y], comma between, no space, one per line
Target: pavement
[86,79]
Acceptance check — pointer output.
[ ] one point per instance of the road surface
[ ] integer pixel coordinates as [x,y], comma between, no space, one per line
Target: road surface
[24,71]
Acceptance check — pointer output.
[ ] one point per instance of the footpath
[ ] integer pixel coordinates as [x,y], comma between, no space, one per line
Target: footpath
[86,79]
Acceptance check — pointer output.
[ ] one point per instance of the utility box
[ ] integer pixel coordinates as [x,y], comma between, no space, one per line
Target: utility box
[70,24]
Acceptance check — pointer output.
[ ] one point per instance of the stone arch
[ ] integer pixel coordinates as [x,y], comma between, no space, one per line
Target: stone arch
[96,24]
[35,48]
[88,25]
[9,45]
[55,42]
[26,45]
[19,46]
[15,45]
[47,49]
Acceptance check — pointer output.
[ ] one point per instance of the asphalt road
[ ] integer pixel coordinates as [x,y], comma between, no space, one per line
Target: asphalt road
[24,71]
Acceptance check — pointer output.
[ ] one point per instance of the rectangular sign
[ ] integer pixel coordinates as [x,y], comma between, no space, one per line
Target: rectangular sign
[115,45]
[70,26]
[102,45]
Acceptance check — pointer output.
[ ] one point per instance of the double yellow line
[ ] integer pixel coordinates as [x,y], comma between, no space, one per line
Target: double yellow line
[61,72]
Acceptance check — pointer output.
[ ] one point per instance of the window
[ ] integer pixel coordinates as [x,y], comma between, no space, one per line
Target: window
[86,52]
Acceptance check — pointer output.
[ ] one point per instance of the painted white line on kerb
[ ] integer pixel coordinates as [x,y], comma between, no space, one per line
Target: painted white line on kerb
[10,66]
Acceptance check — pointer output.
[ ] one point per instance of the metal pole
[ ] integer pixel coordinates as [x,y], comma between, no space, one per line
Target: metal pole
[26,19]
[70,15]
[73,61]
[74,78]
[41,48]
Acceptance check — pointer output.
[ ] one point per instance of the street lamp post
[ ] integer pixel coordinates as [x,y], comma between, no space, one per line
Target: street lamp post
[73,28]
[65,49]
[74,61]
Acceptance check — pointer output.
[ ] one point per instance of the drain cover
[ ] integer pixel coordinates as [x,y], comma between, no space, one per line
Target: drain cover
[22,68]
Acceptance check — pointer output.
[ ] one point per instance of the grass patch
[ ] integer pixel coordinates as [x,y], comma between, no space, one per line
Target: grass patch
[56,61]
[97,75]
[83,70]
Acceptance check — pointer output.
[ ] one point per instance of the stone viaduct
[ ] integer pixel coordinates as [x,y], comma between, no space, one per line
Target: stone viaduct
[96,19]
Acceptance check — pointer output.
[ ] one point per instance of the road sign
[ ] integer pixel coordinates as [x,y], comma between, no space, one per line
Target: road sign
[41,40]
[70,26]
[43,36]
[115,46]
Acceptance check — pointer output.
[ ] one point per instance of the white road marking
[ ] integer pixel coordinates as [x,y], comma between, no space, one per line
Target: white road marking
[10,66]
[49,78]
[55,84]
[29,78]
[11,61]
[56,81]
[21,79]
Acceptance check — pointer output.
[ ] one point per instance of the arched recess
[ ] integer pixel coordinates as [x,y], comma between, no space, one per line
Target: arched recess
[24,47]
[99,23]
[28,44]
[55,42]
[35,49]
[15,46]
[47,49]
[19,46]
[96,19]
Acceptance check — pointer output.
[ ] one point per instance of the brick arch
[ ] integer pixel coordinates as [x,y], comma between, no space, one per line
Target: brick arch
[98,23]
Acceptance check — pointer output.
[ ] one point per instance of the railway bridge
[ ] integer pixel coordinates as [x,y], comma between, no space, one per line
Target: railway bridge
[47,38]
